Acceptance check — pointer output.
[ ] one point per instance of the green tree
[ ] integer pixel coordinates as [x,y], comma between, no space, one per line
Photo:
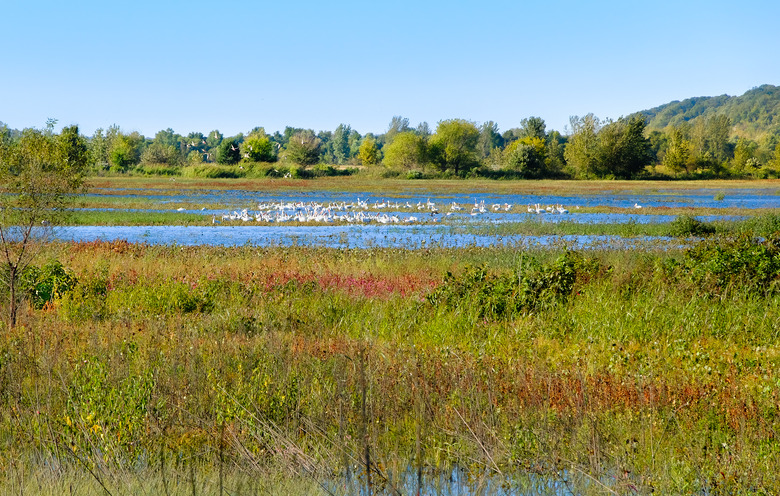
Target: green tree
[526,157]
[303,148]
[744,160]
[532,127]
[368,154]
[678,151]
[340,144]
[258,148]
[157,153]
[98,146]
[214,139]
[326,148]
[39,173]
[776,157]
[582,149]
[406,151]
[454,146]
[168,137]
[75,152]
[228,152]
[710,139]
[354,144]
[125,150]
[554,160]
[397,126]
[623,149]
[489,139]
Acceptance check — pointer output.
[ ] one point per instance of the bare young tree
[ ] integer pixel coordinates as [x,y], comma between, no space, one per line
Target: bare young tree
[40,173]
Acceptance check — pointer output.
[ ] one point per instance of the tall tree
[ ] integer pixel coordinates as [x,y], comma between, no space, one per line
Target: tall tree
[454,146]
[744,160]
[533,127]
[369,151]
[397,125]
[354,144]
[582,150]
[99,145]
[303,148]
[407,151]
[555,161]
[526,157]
[678,151]
[423,129]
[125,150]
[167,137]
[710,139]
[258,148]
[340,146]
[39,173]
[326,148]
[489,139]
[214,139]
[624,151]
[228,152]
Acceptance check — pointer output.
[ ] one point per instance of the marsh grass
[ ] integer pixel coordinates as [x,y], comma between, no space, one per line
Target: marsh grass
[208,370]
[369,182]
[133,218]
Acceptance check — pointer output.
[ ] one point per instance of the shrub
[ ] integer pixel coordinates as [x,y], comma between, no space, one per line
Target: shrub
[762,225]
[497,296]
[745,263]
[157,170]
[43,284]
[687,226]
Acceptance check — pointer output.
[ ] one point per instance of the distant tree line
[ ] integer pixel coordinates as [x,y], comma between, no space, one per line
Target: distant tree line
[706,146]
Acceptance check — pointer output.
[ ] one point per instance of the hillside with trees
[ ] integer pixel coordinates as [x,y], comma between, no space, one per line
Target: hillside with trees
[753,115]
[721,136]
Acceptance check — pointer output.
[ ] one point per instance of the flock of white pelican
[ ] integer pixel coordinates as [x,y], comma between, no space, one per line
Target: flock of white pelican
[365,212]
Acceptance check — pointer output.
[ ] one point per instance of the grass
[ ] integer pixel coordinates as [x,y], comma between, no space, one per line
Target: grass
[176,370]
[363,183]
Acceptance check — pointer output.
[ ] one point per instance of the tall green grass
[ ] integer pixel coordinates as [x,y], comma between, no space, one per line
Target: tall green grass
[239,370]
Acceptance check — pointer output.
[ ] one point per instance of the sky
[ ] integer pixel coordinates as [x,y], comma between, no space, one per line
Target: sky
[198,66]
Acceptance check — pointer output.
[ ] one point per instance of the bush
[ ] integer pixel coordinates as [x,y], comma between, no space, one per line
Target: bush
[744,264]
[497,296]
[762,225]
[687,226]
[43,284]
[157,170]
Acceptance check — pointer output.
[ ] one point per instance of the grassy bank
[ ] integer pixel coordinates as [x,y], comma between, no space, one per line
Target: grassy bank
[190,369]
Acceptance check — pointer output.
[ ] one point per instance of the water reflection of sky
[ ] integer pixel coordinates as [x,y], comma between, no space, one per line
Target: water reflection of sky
[701,198]
[349,236]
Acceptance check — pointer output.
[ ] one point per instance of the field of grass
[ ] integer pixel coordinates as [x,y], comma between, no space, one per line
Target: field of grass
[360,183]
[213,370]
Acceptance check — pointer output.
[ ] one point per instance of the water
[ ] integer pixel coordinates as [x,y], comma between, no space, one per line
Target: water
[754,198]
[428,230]
[352,236]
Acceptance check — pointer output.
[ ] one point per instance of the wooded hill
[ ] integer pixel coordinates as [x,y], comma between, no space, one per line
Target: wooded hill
[754,115]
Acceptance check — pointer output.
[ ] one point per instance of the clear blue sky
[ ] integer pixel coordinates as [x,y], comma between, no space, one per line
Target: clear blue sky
[198,66]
